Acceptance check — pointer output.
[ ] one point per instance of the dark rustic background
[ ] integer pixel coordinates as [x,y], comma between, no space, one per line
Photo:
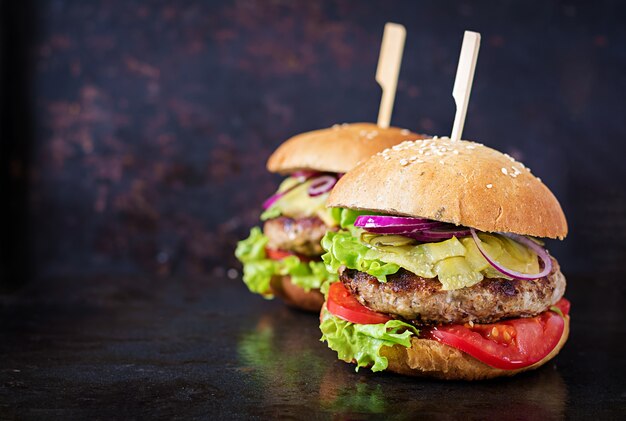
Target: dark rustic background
[135,133]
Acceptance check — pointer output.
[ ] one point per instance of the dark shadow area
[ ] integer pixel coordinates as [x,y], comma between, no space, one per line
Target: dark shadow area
[19,26]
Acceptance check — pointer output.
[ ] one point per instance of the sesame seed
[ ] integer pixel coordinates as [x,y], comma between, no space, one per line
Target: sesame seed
[419,161]
[344,124]
[404,132]
[404,162]
[489,186]
[504,171]
[455,152]
[335,126]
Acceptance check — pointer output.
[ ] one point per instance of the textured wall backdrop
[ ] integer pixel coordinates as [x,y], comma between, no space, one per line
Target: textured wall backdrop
[135,133]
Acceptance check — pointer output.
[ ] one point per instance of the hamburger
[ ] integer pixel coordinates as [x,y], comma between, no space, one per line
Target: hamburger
[442,267]
[283,259]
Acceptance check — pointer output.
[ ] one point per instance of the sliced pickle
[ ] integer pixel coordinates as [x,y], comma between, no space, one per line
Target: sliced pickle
[510,254]
[420,259]
[378,240]
[505,251]
[519,257]
[492,245]
[473,256]
[457,263]
[493,273]
[517,250]
[455,273]
[287,183]
[443,249]
[412,258]
[298,204]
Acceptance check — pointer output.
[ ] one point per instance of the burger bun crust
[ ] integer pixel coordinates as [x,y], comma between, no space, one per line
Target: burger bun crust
[336,149]
[296,296]
[463,183]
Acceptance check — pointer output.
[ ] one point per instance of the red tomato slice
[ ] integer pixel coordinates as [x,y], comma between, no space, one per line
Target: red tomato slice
[509,344]
[342,304]
[276,254]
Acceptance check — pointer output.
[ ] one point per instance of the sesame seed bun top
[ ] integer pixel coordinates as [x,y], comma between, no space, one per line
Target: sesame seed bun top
[462,182]
[336,149]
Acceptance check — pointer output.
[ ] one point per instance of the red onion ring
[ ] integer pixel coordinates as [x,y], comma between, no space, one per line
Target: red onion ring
[379,221]
[302,177]
[304,174]
[403,230]
[273,198]
[416,228]
[322,184]
[541,252]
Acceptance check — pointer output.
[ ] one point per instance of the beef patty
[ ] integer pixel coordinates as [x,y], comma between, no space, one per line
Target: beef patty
[422,300]
[302,235]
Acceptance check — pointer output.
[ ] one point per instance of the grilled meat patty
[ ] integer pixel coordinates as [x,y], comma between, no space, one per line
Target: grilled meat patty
[302,235]
[422,300]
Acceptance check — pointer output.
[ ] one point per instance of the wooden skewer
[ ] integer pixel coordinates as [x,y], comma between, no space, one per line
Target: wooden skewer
[389,69]
[463,82]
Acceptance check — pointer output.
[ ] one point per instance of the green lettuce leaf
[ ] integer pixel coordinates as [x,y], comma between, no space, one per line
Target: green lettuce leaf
[362,343]
[271,213]
[343,249]
[307,275]
[258,269]
[347,217]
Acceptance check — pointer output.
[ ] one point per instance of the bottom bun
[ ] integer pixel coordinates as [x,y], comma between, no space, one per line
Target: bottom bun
[296,296]
[430,358]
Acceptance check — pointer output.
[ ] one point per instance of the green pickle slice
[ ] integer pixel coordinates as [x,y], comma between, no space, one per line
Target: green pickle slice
[456,273]
[298,204]
[456,262]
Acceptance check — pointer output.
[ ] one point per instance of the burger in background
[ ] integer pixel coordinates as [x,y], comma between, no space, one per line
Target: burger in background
[441,270]
[283,259]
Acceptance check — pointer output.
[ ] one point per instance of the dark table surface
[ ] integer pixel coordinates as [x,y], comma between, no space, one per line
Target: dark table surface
[137,348]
